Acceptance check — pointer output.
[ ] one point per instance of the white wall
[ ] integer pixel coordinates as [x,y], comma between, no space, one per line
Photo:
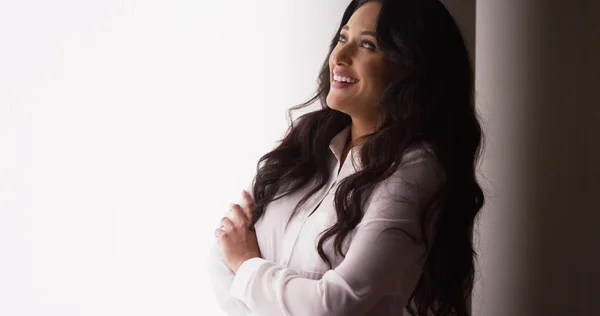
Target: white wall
[126,129]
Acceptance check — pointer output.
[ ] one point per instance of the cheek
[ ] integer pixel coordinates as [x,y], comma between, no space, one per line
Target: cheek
[375,79]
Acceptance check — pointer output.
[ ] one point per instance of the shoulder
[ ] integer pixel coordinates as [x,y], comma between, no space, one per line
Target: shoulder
[422,165]
[408,191]
[418,175]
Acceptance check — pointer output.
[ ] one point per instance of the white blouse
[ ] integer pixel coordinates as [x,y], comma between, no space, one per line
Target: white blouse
[382,265]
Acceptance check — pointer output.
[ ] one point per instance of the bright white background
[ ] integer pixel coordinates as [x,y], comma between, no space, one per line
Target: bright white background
[126,129]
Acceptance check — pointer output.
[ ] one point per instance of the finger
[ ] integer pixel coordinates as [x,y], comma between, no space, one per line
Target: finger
[249,204]
[247,197]
[238,213]
[219,232]
[226,224]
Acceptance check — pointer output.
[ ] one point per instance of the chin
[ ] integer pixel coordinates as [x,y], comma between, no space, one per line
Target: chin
[336,104]
[332,102]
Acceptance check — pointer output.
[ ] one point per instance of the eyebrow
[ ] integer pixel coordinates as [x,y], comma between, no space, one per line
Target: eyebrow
[365,32]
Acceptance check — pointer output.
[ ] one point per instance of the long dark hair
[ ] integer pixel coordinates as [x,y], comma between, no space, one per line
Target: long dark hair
[430,99]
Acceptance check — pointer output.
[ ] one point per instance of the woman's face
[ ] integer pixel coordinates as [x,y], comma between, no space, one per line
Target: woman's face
[357,56]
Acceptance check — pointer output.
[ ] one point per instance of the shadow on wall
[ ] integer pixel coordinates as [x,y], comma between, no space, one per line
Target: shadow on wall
[538,76]
[563,265]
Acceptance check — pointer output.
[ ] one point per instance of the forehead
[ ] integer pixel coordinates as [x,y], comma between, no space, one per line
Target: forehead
[365,17]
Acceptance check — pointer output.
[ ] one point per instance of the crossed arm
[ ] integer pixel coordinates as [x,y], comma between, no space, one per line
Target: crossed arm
[356,285]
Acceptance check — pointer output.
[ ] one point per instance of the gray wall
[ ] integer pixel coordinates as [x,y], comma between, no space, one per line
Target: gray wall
[537,90]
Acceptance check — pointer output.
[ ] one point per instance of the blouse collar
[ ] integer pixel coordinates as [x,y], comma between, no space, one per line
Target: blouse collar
[337,144]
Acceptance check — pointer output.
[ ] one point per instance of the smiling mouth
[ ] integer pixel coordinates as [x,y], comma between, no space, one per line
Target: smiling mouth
[346,80]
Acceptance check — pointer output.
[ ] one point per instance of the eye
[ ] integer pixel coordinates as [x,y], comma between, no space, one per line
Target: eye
[366,44]
[371,45]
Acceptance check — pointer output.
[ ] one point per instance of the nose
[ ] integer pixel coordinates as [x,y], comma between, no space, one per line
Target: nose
[343,55]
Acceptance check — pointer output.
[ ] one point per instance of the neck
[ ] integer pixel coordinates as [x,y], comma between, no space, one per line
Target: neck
[358,130]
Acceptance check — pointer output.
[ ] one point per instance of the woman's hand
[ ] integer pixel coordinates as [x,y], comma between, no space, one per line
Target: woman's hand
[236,240]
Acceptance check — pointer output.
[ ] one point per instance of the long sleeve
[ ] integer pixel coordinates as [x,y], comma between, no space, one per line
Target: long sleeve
[221,278]
[357,284]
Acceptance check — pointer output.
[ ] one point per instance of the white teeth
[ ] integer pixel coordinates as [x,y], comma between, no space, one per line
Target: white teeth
[344,79]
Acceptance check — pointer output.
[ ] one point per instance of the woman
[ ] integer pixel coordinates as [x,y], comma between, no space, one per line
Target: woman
[389,228]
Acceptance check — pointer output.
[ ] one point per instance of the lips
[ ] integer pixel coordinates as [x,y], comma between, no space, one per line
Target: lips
[341,85]
[346,74]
